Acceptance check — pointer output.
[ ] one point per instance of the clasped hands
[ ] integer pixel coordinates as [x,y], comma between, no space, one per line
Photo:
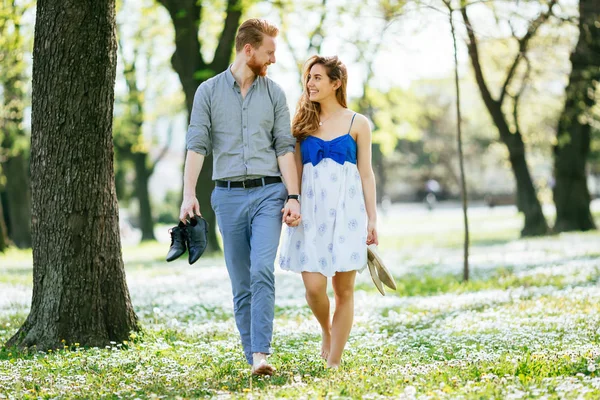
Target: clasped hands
[291,213]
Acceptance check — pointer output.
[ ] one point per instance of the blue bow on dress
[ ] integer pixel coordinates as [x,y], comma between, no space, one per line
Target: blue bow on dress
[315,150]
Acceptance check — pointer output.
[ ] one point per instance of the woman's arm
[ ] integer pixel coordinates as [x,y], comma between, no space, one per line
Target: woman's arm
[299,165]
[367,177]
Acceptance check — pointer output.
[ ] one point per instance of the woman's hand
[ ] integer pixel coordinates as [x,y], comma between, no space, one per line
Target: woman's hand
[372,233]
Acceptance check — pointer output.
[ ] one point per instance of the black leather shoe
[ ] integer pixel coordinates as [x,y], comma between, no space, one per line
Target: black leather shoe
[178,241]
[197,238]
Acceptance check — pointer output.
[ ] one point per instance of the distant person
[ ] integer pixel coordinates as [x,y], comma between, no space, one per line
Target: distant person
[242,117]
[339,216]
[432,189]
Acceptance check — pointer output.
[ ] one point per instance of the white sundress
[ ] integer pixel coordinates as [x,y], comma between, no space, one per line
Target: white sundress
[332,235]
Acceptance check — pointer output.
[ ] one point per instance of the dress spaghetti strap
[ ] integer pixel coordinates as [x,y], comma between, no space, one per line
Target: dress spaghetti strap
[351,122]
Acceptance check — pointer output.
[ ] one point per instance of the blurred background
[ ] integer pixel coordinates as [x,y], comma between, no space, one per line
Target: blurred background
[528,80]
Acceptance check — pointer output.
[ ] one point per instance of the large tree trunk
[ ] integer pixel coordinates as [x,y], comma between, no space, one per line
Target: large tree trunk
[142,176]
[571,194]
[79,288]
[192,70]
[527,200]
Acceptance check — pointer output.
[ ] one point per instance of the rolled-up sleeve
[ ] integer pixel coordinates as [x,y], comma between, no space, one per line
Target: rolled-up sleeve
[283,141]
[198,137]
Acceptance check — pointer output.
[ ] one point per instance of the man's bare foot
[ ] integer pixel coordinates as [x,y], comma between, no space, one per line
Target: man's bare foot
[332,365]
[325,344]
[260,366]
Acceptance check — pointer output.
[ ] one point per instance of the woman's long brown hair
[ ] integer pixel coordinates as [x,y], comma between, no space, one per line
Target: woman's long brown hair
[306,119]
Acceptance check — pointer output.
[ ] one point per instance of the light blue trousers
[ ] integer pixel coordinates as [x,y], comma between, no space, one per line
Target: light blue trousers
[250,224]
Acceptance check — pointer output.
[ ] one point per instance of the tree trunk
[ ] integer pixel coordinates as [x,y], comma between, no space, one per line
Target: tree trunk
[459,146]
[527,200]
[192,70]
[18,200]
[142,177]
[571,194]
[3,233]
[79,288]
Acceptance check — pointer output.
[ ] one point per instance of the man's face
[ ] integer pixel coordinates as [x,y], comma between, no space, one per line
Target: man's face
[262,57]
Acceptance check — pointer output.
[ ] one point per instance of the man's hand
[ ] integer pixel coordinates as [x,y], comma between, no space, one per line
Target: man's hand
[189,208]
[291,213]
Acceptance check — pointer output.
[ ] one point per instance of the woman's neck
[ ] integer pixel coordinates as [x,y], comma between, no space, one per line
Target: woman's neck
[330,106]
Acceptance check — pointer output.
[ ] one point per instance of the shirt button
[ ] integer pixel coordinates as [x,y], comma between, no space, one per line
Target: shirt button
[245,108]
[244,126]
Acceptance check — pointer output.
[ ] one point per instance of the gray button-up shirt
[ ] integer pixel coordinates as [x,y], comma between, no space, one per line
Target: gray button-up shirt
[246,135]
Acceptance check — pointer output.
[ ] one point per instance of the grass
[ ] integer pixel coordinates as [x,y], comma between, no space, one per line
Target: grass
[524,326]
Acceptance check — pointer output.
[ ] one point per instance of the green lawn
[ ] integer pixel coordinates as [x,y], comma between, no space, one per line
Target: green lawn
[527,325]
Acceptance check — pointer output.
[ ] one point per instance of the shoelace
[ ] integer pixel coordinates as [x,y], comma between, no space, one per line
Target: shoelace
[181,230]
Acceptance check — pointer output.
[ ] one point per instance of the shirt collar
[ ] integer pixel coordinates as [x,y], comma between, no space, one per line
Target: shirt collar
[229,76]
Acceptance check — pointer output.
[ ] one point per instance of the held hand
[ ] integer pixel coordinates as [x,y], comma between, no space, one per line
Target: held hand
[293,222]
[291,213]
[189,208]
[372,233]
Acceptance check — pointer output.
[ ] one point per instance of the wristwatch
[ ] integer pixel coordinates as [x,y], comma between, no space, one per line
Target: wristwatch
[294,196]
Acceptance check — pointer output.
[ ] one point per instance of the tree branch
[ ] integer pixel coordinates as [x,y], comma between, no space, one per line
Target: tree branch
[474,56]
[517,97]
[223,51]
[186,21]
[523,44]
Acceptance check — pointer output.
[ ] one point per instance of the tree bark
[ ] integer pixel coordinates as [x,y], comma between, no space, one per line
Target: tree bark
[192,71]
[571,194]
[79,288]
[527,200]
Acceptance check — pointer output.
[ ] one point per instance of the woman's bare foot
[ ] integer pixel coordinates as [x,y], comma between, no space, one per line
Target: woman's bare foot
[260,366]
[325,344]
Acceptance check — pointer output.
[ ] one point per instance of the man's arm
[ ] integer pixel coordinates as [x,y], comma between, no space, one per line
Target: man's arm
[199,144]
[287,166]
[283,143]
[291,210]
[193,166]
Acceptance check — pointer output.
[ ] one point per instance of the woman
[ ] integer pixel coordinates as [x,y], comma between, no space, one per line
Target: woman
[339,216]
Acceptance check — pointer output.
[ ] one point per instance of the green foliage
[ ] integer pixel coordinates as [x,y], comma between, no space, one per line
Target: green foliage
[14,58]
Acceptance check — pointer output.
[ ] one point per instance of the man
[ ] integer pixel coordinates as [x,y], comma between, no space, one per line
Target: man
[242,117]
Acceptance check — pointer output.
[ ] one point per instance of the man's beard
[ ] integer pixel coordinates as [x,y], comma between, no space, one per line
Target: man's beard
[258,69]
